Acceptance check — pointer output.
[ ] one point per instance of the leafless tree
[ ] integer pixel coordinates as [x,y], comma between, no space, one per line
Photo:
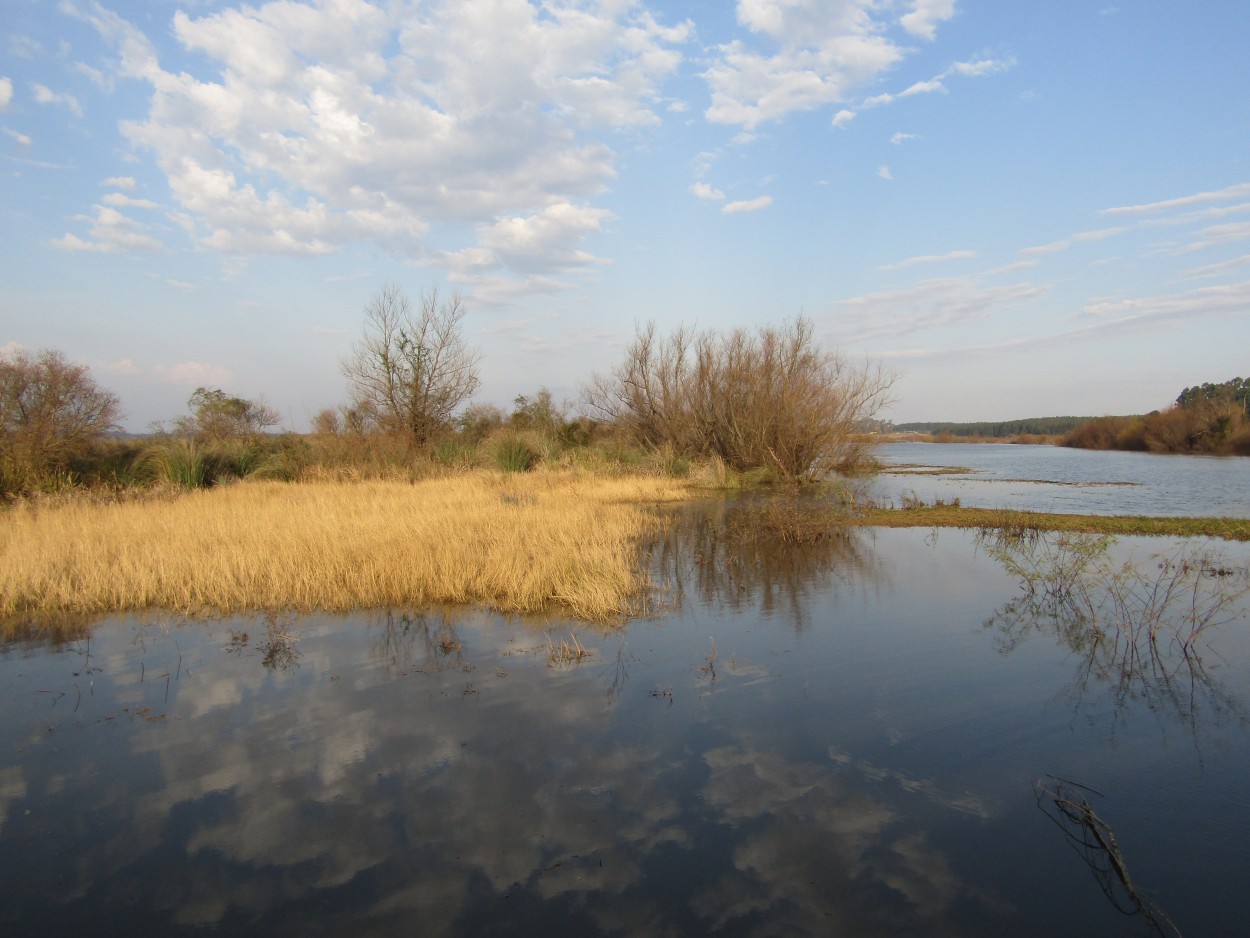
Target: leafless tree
[50,410]
[412,367]
[770,399]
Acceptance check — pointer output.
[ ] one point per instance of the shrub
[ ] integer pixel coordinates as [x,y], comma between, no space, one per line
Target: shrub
[769,400]
[513,453]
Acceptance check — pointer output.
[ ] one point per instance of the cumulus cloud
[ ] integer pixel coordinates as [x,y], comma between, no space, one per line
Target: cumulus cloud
[843,117]
[309,127]
[749,205]
[883,172]
[900,137]
[119,182]
[803,55]
[925,16]
[6,92]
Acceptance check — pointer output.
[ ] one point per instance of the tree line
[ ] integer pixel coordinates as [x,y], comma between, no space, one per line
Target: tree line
[1212,418]
[769,401]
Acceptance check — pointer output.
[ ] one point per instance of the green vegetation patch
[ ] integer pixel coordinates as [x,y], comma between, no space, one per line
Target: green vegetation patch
[953,516]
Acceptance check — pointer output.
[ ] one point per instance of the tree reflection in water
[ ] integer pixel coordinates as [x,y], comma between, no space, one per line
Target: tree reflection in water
[777,552]
[1142,630]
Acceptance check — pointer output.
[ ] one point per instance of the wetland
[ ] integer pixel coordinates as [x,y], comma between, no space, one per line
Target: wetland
[856,730]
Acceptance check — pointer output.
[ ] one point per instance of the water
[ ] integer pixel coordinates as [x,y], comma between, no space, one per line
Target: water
[842,738]
[1059,479]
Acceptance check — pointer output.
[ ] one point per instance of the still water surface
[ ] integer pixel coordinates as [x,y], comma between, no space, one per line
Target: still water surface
[1059,479]
[842,738]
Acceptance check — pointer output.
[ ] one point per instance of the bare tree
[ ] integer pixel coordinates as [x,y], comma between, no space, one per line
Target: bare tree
[412,366]
[773,399]
[50,410]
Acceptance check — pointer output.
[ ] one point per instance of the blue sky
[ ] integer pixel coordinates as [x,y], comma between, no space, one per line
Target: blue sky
[1023,209]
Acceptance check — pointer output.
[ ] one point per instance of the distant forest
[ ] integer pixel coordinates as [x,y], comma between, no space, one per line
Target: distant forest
[1032,426]
[1207,418]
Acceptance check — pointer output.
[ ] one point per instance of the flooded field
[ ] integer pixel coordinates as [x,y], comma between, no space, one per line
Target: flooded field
[871,733]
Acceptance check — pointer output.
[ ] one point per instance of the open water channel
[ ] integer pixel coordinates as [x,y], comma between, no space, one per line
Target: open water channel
[882,732]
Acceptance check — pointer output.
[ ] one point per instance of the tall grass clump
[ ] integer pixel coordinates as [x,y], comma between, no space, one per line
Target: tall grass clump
[514,542]
[513,453]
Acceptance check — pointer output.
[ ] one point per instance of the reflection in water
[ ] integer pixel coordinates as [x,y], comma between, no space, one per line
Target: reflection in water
[776,553]
[1140,630]
[431,771]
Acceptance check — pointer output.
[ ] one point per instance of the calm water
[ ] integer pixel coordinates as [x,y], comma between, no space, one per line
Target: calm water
[1055,478]
[837,739]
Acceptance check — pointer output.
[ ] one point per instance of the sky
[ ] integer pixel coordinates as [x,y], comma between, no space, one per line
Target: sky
[1019,209]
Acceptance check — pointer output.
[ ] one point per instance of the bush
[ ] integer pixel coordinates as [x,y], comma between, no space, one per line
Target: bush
[770,400]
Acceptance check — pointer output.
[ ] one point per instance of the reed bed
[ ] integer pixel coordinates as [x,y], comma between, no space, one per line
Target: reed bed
[516,543]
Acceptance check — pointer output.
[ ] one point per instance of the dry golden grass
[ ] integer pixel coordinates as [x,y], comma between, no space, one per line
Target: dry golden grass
[518,543]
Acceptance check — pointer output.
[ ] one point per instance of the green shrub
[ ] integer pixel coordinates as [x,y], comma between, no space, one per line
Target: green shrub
[513,453]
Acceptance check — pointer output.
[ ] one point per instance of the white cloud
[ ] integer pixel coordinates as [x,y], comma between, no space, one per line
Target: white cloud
[24,47]
[119,182]
[195,374]
[21,139]
[1098,234]
[124,366]
[1241,190]
[1222,300]
[923,87]
[883,172]
[45,95]
[945,302]
[843,117]
[1054,247]
[900,137]
[750,205]
[930,259]
[1216,235]
[1212,270]
[811,53]
[925,15]
[110,232]
[121,200]
[6,92]
[309,127]
[707,193]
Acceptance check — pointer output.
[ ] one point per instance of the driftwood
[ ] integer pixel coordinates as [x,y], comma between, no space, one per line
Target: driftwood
[1065,803]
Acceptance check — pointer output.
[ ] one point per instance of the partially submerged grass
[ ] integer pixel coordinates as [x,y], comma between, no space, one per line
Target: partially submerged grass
[955,516]
[517,543]
[566,651]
